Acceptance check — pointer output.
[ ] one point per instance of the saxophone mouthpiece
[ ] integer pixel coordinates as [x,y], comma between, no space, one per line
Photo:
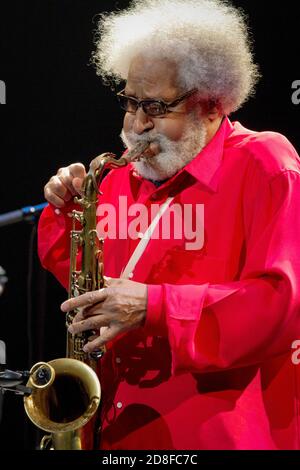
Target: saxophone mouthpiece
[136,153]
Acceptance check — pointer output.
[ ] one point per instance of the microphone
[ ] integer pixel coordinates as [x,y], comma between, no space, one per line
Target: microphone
[13,381]
[27,214]
[10,380]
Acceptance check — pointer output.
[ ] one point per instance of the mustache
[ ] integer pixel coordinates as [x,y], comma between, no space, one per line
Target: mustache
[131,139]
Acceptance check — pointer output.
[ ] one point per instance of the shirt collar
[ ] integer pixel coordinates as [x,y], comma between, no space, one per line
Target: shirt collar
[205,165]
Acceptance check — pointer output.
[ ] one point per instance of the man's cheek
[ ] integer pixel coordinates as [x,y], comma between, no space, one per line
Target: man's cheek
[172,129]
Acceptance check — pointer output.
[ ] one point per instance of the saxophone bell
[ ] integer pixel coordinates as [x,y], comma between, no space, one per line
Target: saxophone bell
[64,404]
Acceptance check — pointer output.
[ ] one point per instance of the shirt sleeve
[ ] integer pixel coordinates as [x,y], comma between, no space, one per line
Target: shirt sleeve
[218,326]
[54,241]
[54,230]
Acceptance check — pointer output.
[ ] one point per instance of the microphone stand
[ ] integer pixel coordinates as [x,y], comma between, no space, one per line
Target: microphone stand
[28,214]
[15,381]
[12,381]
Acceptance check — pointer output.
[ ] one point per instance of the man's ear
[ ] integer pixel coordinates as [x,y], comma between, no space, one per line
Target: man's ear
[209,110]
[213,112]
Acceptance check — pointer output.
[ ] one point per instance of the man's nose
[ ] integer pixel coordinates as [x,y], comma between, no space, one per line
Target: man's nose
[142,122]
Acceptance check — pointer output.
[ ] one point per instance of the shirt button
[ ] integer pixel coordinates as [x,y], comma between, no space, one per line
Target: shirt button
[119,405]
[118,360]
[154,197]
[57,211]
[140,235]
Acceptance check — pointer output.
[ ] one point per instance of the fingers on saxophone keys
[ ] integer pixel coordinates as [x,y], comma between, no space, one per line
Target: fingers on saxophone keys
[93,337]
[79,315]
[107,335]
[85,300]
[53,198]
[85,313]
[91,323]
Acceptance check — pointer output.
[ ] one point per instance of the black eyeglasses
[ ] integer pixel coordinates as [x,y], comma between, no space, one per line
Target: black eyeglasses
[150,107]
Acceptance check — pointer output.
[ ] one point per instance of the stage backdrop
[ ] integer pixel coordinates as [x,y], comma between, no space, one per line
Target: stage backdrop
[56,111]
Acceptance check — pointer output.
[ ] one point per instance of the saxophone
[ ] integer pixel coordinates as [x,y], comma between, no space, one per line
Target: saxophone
[66,392]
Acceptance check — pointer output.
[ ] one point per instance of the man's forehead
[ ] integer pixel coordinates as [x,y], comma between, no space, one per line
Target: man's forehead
[152,76]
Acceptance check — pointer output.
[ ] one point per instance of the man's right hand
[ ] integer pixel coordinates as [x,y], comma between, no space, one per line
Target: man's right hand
[66,184]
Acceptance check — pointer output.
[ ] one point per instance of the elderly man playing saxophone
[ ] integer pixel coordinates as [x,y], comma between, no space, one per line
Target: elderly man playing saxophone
[198,336]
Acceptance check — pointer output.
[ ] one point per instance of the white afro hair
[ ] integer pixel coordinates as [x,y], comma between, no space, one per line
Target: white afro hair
[207,39]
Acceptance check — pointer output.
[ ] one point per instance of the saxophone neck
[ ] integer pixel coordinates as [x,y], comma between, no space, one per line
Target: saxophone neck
[108,161]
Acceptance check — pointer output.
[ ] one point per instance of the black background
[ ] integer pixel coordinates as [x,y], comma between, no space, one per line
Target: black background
[58,112]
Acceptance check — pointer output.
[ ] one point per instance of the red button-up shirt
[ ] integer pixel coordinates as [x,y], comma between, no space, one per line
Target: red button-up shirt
[212,367]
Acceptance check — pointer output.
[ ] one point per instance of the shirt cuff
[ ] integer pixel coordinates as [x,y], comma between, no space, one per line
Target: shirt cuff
[155,318]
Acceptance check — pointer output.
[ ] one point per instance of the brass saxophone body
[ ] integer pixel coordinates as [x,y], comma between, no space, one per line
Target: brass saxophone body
[66,392]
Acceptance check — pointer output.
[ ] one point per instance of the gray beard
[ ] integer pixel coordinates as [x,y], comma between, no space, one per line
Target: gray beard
[173,156]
